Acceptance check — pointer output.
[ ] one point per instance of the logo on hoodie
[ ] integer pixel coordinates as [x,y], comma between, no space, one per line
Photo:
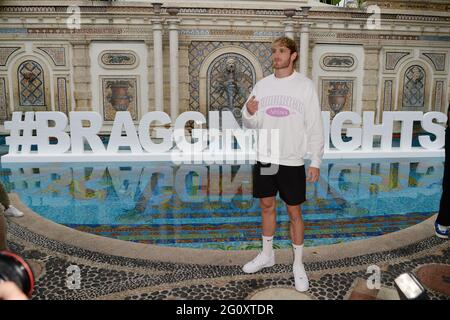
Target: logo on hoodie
[277,111]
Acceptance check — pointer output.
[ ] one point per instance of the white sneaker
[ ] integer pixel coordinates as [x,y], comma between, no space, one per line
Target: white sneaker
[261,261]
[300,277]
[13,212]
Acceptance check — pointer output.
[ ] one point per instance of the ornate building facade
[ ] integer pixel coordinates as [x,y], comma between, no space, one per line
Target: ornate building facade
[138,56]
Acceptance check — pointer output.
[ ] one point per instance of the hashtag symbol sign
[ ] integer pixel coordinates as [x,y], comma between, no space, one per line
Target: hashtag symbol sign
[21,132]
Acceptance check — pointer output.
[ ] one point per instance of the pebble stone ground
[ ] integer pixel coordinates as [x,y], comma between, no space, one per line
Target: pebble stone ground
[104,276]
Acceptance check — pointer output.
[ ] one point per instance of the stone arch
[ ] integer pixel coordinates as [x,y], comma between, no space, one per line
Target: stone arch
[213,56]
[414,78]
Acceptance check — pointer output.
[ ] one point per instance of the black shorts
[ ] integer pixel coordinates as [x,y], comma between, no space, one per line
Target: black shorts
[288,180]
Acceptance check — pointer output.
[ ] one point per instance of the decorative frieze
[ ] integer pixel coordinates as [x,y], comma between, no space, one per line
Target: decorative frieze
[321,35]
[194,32]
[269,12]
[232,11]
[91,30]
[31,9]
[268,33]
[418,18]
[13,30]
[193,10]
[376,36]
[227,32]
[233,32]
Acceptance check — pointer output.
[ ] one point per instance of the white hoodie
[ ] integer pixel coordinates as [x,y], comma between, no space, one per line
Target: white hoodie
[291,105]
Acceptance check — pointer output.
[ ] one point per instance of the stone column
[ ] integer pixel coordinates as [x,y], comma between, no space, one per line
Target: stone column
[289,29]
[370,80]
[304,47]
[82,75]
[289,23]
[174,64]
[158,64]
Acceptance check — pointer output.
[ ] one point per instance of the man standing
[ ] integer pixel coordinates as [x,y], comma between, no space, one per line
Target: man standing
[442,224]
[286,102]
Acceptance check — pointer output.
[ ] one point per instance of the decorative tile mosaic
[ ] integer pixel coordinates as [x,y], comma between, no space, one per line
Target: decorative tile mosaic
[438,60]
[31,84]
[199,50]
[118,59]
[439,97]
[57,54]
[337,95]
[414,88]
[387,100]
[334,62]
[3,100]
[62,95]
[119,94]
[5,53]
[393,58]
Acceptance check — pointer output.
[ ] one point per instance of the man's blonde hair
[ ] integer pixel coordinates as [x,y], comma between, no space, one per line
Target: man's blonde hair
[288,43]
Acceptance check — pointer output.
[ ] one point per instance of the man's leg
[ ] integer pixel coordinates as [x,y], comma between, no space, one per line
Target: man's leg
[269,216]
[4,199]
[266,258]
[269,224]
[297,230]
[297,227]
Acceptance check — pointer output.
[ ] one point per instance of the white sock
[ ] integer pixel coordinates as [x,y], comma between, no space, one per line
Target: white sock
[298,254]
[267,245]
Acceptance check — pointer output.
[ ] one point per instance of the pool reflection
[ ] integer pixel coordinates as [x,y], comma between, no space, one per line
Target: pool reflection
[212,206]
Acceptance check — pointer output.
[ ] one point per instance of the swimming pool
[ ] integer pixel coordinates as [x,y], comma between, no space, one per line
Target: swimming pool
[211,207]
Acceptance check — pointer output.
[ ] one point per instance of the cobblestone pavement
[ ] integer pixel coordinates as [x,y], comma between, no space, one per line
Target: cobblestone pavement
[105,276]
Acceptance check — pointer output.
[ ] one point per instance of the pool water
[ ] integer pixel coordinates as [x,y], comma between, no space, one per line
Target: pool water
[211,207]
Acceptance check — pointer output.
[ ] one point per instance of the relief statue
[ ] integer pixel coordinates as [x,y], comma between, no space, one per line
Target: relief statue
[230,83]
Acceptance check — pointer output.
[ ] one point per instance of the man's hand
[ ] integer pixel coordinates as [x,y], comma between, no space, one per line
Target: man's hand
[313,174]
[252,105]
[10,291]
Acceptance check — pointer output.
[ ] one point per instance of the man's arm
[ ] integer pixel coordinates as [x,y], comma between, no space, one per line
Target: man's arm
[250,111]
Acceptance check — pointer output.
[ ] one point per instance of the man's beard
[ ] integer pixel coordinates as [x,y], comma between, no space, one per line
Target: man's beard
[280,65]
